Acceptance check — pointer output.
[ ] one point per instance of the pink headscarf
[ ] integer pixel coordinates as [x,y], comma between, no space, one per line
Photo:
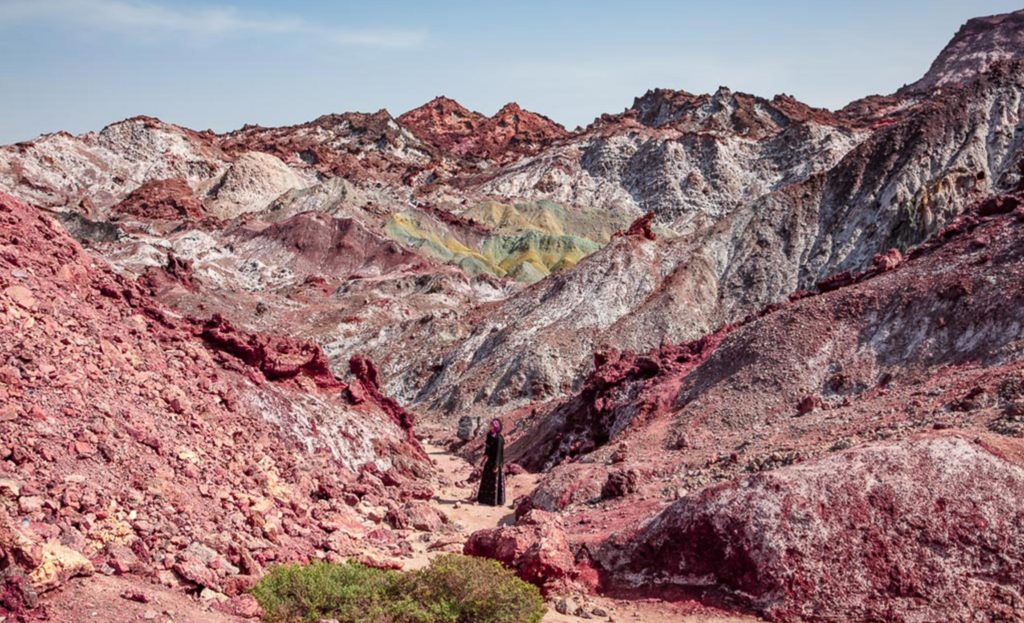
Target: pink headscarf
[495,426]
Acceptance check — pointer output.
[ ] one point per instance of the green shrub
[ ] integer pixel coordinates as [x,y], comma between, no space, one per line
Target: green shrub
[464,589]
[453,589]
[347,592]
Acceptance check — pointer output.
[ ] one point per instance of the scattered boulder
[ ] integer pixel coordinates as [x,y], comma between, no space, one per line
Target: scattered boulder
[121,559]
[641,227]
[242,606]
[29,568]
[416,515]
[999,204]
[59,564]
[884,262]
[836,281]
[808,404]
[620,483]
[468,427]
[564,486]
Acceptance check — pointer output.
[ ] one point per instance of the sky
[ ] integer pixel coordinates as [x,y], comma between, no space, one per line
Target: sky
[78,65]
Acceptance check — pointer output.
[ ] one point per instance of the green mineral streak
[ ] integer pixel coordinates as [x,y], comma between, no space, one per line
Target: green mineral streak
[529,240]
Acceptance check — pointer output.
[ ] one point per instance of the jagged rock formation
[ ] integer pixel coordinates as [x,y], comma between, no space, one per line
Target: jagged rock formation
[679,154]
[977,46]
[512,132]
[700,288]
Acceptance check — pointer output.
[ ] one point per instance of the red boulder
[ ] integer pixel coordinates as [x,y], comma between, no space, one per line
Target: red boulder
[564,486]
[536,548]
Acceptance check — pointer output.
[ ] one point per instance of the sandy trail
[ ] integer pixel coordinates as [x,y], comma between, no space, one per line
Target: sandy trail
[456,499]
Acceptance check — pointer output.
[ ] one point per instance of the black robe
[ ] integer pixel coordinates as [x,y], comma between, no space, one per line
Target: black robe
[492,480]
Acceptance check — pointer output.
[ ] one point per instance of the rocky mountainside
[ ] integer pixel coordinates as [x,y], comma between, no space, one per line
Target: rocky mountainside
[710,322]
[137,441]
[903,181]
[979,44]
[723,467]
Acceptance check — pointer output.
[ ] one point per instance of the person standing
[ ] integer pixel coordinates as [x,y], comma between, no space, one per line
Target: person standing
[492,480]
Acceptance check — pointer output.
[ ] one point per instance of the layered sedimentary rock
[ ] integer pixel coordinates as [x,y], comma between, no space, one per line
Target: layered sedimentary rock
[899,185]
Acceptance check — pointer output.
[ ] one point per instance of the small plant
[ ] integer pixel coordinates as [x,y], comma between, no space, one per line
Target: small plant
[475,590]
[453,589]
[347,592]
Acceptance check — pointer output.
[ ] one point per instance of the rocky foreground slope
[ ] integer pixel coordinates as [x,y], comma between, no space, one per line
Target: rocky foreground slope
[763,355]
[137,441]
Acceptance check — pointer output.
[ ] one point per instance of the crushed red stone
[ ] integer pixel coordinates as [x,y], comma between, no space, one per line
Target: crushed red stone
[128,446]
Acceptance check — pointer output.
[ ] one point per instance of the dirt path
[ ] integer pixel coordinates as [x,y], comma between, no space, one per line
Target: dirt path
[455,498]
[99,599]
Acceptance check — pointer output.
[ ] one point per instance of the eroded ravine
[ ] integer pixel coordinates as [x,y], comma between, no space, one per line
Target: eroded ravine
[455,497]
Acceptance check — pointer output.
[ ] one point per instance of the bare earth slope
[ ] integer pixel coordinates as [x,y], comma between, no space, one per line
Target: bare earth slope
[130,442]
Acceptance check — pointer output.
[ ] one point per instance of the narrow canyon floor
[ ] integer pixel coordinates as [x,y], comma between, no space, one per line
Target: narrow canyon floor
[454,496]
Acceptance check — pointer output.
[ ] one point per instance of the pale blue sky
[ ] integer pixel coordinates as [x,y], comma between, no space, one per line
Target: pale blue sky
[79,64]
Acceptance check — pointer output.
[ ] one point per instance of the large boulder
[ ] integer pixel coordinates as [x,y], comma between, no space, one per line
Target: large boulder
[925,529]
[536,548]
[30,567]
[416,515]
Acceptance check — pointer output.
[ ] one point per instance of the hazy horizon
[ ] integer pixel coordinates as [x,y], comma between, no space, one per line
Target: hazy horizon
[78,65]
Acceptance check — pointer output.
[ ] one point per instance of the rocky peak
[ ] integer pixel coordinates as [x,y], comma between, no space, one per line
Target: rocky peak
[526,126]
[359,123]
[511,112]
[441,108]
[145,128]
[442,122]
[723,111]
[513,132]
[978,45]
[508,134]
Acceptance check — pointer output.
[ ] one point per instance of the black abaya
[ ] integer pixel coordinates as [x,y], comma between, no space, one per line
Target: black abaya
[492,480]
